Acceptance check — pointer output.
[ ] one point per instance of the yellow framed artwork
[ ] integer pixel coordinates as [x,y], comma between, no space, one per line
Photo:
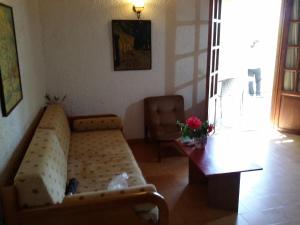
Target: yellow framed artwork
[132,44]
[10,80]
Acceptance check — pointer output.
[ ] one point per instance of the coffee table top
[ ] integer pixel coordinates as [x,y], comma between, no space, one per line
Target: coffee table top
[221,155]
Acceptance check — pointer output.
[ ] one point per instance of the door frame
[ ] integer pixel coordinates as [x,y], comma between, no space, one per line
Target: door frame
[277,84]
[212,5]
[280,56]
[208,67]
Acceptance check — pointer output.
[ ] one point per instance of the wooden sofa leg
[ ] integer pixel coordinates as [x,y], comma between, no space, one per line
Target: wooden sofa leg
[9,200]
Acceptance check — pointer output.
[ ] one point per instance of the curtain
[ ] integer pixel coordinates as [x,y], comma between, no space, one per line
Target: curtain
[296,9]
[291,58]
[289,80]
[293,38]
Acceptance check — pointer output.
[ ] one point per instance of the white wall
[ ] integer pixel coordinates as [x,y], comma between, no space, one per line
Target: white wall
[79,62]
[28,36]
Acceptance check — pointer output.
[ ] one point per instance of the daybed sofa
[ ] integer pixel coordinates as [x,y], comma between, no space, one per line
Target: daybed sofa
[91,149]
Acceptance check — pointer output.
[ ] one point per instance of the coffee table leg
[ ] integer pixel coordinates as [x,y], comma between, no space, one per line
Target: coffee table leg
[195,175]
[223,191]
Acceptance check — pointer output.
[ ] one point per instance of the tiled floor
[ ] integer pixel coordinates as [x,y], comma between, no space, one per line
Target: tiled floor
[270,196]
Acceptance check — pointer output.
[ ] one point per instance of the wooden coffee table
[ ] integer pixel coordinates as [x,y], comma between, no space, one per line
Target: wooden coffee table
[219,166]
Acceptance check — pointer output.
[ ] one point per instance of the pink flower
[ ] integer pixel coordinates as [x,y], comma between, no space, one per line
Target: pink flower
[193,122]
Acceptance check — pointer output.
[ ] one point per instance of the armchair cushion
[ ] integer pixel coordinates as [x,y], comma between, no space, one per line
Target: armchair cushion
[165,133]
[97,123]
[161,114]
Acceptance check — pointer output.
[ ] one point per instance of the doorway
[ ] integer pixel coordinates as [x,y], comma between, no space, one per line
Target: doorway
[248,45]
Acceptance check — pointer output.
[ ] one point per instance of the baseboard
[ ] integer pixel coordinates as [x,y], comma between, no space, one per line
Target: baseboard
[135,141]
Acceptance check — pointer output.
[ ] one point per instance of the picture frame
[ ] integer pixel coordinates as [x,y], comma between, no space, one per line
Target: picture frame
[132,44]
[10,79]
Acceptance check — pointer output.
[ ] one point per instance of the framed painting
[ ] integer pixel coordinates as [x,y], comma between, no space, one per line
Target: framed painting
[10,80]
[132,44]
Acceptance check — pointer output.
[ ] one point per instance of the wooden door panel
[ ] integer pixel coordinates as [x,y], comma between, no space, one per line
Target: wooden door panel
[289,113]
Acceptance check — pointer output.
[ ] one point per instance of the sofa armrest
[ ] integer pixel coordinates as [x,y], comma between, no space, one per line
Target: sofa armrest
[136,201]
[92,123]
[99,210]
[101,194]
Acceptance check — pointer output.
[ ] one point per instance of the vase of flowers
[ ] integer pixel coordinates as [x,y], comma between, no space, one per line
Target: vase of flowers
[196,130]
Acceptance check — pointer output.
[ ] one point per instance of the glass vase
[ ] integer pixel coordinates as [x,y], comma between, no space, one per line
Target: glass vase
[200,142]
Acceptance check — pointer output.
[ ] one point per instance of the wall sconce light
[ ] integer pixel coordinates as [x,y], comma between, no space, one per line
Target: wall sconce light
[138,7]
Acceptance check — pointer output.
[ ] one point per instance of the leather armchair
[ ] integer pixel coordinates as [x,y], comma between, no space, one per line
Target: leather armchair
[161,114]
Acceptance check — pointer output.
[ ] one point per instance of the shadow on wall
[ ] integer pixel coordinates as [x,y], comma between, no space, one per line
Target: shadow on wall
[131,115]
[186,53]
[8,173]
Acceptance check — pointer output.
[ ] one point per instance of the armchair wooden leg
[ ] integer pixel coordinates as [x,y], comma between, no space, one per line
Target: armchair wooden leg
[159,152]
[146,139]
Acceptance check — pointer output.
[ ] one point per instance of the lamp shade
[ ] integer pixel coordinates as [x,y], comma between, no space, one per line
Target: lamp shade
[138,3]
